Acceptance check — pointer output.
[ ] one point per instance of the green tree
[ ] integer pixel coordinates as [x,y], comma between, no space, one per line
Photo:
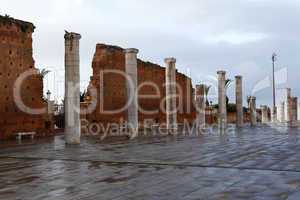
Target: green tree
[43,72]
[82,96]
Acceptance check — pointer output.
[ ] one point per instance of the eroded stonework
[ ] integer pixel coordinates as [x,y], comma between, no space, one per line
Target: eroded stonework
[113,88]
[16,58]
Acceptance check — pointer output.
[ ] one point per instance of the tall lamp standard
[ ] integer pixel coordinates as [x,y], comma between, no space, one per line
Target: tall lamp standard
[274,59]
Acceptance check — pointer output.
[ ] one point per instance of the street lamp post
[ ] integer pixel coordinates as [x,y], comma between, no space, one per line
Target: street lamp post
[274,58]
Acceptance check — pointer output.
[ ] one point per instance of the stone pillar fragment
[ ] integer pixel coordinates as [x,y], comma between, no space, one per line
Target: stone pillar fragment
[49,103]
[281,112]
[293,104]
[200,107]
[264,114]
[252,108]
[239,101]
[274,114]
[131,88]
[171,108]
[72,88]
[298,112]
[288,96]
[222,113]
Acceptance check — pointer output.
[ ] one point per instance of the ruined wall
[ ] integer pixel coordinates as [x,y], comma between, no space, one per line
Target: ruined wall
[15,58]
[114,88]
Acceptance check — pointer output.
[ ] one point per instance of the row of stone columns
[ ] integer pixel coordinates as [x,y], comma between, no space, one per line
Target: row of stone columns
[289,110]
[222,110]
[171,95]
[132,98]
[72,90]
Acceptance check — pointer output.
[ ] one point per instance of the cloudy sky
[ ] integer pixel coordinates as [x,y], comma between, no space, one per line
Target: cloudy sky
[238,36]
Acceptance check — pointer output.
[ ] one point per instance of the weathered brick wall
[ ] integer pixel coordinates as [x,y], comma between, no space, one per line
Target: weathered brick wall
[114,88]
[16,58]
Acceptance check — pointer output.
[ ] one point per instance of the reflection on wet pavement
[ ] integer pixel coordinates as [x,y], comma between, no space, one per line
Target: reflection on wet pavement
[259,163]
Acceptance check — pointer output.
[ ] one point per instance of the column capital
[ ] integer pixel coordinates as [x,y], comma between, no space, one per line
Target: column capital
[238,77]
[200,85]
[294,98]
[131,50]
[221,72]
[170,60]
[72,36]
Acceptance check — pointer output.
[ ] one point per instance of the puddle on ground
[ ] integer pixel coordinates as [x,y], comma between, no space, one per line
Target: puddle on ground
[27,179]
[117,165]
[114,180]
[95,165]
[295,183]
[158,168]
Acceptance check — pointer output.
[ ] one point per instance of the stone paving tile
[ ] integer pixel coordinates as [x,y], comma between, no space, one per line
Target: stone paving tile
[260,163]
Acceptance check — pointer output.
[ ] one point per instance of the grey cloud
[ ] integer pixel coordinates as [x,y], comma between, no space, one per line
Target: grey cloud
[188,30]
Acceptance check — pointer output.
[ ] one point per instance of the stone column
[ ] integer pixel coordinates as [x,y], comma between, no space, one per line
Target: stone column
[281,111]
[293,103]
[222,118]
[264,114]
[49,106]
[131,87]
[288,95]
[200,106]
[171,107]
[72,89]
[252,108]
[298,112]
[239,101]
[274,114]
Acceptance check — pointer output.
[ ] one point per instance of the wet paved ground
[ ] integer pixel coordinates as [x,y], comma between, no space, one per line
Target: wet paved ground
[260,163]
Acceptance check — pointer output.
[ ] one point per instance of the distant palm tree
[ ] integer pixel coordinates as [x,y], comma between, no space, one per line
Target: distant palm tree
[82,96]
[207,88]
[227,84]
[43,72]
